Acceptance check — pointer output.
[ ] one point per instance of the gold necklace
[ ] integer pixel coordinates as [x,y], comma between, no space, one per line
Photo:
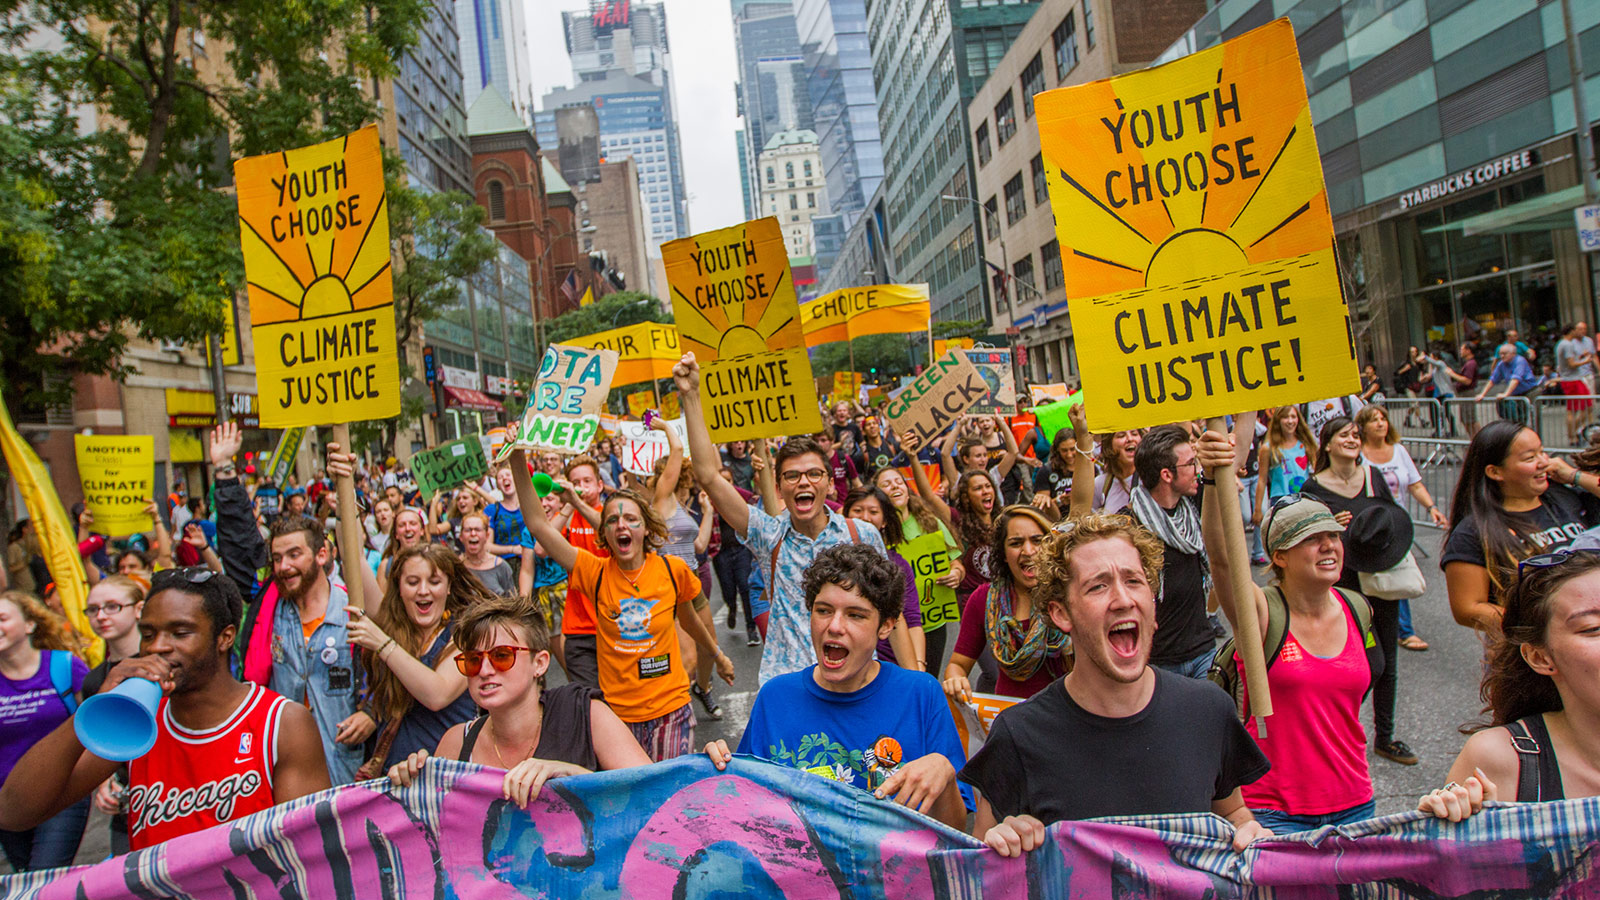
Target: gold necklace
[494,744]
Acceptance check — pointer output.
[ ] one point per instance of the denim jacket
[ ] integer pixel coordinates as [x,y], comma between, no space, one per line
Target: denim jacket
[321,674]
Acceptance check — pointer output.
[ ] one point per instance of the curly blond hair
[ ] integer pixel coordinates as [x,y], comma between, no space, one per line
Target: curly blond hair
[51,630]
[1054,561]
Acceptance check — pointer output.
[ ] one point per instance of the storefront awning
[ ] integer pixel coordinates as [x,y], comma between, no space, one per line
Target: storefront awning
[467,398]
[1546,212]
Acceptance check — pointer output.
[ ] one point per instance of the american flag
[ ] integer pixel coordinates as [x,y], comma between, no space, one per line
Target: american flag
[569,288]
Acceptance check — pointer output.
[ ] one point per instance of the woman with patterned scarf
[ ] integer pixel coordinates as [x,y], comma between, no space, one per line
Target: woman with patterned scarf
[1030,651]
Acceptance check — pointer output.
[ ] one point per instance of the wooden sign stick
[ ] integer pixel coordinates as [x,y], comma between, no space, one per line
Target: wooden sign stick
[1247,627]
[350,525]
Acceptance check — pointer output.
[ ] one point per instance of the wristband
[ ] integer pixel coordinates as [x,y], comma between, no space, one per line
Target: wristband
[385,646]
[1206,480]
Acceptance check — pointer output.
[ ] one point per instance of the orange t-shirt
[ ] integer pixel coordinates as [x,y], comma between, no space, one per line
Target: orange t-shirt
[636,642]
[577,614]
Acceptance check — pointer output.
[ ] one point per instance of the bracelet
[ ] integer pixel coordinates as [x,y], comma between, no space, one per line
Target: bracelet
[227,470]
[1206,480]
[385,646]
[1084,453]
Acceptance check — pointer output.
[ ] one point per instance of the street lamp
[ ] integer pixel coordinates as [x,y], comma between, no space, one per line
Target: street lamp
[538,337]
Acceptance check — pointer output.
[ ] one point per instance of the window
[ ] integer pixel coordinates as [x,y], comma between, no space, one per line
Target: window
[991,219]
[794,201]
[769,175]
[1016,207]
[1032,83]
[1066,41]
[1041,191]
[497,201]
[1005,119]
[808,168]
[981,138]
[788,170]
[1023,270]
[811,199]
[1050,258]
[1088,23]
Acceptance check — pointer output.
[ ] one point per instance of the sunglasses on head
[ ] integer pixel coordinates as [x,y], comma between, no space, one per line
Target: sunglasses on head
[1546,560]
[503,657]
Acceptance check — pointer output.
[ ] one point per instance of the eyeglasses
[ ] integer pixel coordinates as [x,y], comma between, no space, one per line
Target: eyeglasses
[109,609]
[1546,560]
[815,476]
[470,662]
[190,574]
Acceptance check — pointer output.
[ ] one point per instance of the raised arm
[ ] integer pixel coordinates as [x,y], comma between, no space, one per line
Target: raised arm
[435,687]
[702,538]
[910,443]
[703,455]
[1082,502]
[546,534]
[438,522]
[239,542]
[766,482]
[667,484]
[1009,458]
[947,459]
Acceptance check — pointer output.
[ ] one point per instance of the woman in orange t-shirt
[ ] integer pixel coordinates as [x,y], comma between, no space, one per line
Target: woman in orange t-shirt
[639,597]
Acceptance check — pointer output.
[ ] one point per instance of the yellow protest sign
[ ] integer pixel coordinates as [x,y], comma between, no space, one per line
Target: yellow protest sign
[118,473]
[639,401]
[587,298]
[669,406]
[929,557]
[941,347]
[315,233]
[232,353]
[646,351]
[1194,229]
[859,311]
[736,310]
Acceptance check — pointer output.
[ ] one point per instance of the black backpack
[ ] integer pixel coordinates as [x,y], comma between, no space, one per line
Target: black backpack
[1225,666]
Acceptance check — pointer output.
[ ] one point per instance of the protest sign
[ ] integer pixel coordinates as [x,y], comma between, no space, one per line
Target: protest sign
[563,412]
[670,406]
[646,351]
[228,338]
[995,368]
[314,227]
[929,557]
[1195,231]
[734,302]
[639,401]
[118,472]
[941,347]
[859,311]
[765,830]
[1045,393]
[448,465]
[875,396]
[282,461]
[846,383]
[1053,417]
[639,446]
[936,398]
[974,718]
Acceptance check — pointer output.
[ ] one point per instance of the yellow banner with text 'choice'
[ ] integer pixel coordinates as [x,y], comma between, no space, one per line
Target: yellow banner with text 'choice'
[855,312]
[315,232]
[735,307]
[1195,236]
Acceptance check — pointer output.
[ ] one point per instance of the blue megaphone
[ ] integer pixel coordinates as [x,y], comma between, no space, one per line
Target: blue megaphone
[120,724]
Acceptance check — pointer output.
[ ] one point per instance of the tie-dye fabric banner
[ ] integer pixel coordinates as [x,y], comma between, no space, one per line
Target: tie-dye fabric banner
[683,830]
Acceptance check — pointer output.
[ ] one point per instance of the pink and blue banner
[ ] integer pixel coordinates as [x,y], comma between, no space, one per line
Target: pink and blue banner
[684,830]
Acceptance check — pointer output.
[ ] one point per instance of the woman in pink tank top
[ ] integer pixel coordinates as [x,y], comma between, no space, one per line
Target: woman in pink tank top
[1315,741]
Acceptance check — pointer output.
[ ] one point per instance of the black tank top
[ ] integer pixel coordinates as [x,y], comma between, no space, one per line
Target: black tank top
[564,731]
[1538,777]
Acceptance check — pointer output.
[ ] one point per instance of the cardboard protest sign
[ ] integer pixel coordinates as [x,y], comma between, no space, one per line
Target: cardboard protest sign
[1195,232]
[859,311]
[563,412]
[448,465]
[638,447]
[995,368]
[646,351]
[315,231]
[118,473]
[937,397]
[846,383]
[282,461]
[734,302]
[929,557]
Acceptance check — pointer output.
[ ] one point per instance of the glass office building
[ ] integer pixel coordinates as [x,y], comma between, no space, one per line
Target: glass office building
[1449,149]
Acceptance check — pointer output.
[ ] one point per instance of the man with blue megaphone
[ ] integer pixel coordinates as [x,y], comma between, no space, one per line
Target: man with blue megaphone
[222,749]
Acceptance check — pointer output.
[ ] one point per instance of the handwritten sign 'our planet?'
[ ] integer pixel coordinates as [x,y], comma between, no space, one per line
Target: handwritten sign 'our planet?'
[563,412]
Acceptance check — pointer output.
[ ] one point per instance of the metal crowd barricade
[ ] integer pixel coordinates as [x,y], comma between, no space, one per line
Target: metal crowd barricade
[1439,462]
[1419,417]
[1468,414]
[1550,420]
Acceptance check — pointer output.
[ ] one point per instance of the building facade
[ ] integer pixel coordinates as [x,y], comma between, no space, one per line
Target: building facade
[1448,139]
[1067,42]
[494,51]
[771,91]
[610,205]
[928,57]
[844,102]
[789,171]
[428,125]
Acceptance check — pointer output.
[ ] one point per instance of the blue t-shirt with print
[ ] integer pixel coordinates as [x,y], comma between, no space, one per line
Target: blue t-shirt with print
[546,571]
[795,722]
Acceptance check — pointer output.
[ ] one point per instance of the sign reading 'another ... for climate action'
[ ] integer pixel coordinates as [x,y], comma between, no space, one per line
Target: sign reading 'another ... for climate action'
[448,465]
[735,308]
[1194,229]
[118,476]
[564,412]
[315,233]
[937,397]
[995,368]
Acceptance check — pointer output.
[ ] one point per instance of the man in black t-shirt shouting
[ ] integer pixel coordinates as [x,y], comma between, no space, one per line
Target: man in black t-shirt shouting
[1116,736]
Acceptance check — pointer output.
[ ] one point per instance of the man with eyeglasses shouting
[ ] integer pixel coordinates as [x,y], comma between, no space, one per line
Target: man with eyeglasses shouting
[224,749]
[783,545]
[1169,477]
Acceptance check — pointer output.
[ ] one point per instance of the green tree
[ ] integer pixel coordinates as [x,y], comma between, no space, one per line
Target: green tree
[126,230]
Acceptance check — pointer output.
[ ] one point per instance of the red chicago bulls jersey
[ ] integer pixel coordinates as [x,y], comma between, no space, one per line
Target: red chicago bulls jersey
[191,780]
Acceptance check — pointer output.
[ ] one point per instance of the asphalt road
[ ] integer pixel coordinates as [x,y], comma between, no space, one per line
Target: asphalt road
[1438,693]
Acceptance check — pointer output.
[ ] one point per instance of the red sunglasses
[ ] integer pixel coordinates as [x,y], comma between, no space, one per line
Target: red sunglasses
[470,662]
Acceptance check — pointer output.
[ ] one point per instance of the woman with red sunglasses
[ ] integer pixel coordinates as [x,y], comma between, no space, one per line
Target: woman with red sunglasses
[534,734]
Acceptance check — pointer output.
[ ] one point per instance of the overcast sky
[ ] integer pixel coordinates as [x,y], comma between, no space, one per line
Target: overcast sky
[700,33]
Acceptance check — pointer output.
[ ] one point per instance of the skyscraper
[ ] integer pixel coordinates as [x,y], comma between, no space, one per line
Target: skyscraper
[772,83]
[623,68]
[430,112]
[494,51]
[838,70]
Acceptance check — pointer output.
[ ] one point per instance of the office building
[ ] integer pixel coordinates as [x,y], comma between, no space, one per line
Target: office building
[610,205]
[771,92]
[789,172]
[622,67]
[494,51]
[429,122]
[1067,42]
[1450,151]
[928,58]
[844,103]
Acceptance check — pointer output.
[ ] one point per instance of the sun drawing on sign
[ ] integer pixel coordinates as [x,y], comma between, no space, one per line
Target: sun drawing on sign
[740,327]
[1218,185]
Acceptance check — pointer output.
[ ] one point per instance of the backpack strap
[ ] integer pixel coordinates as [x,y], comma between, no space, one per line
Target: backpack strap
[855,536]
[1361,608]
[61,678]
[1277,631]
[1528,751]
